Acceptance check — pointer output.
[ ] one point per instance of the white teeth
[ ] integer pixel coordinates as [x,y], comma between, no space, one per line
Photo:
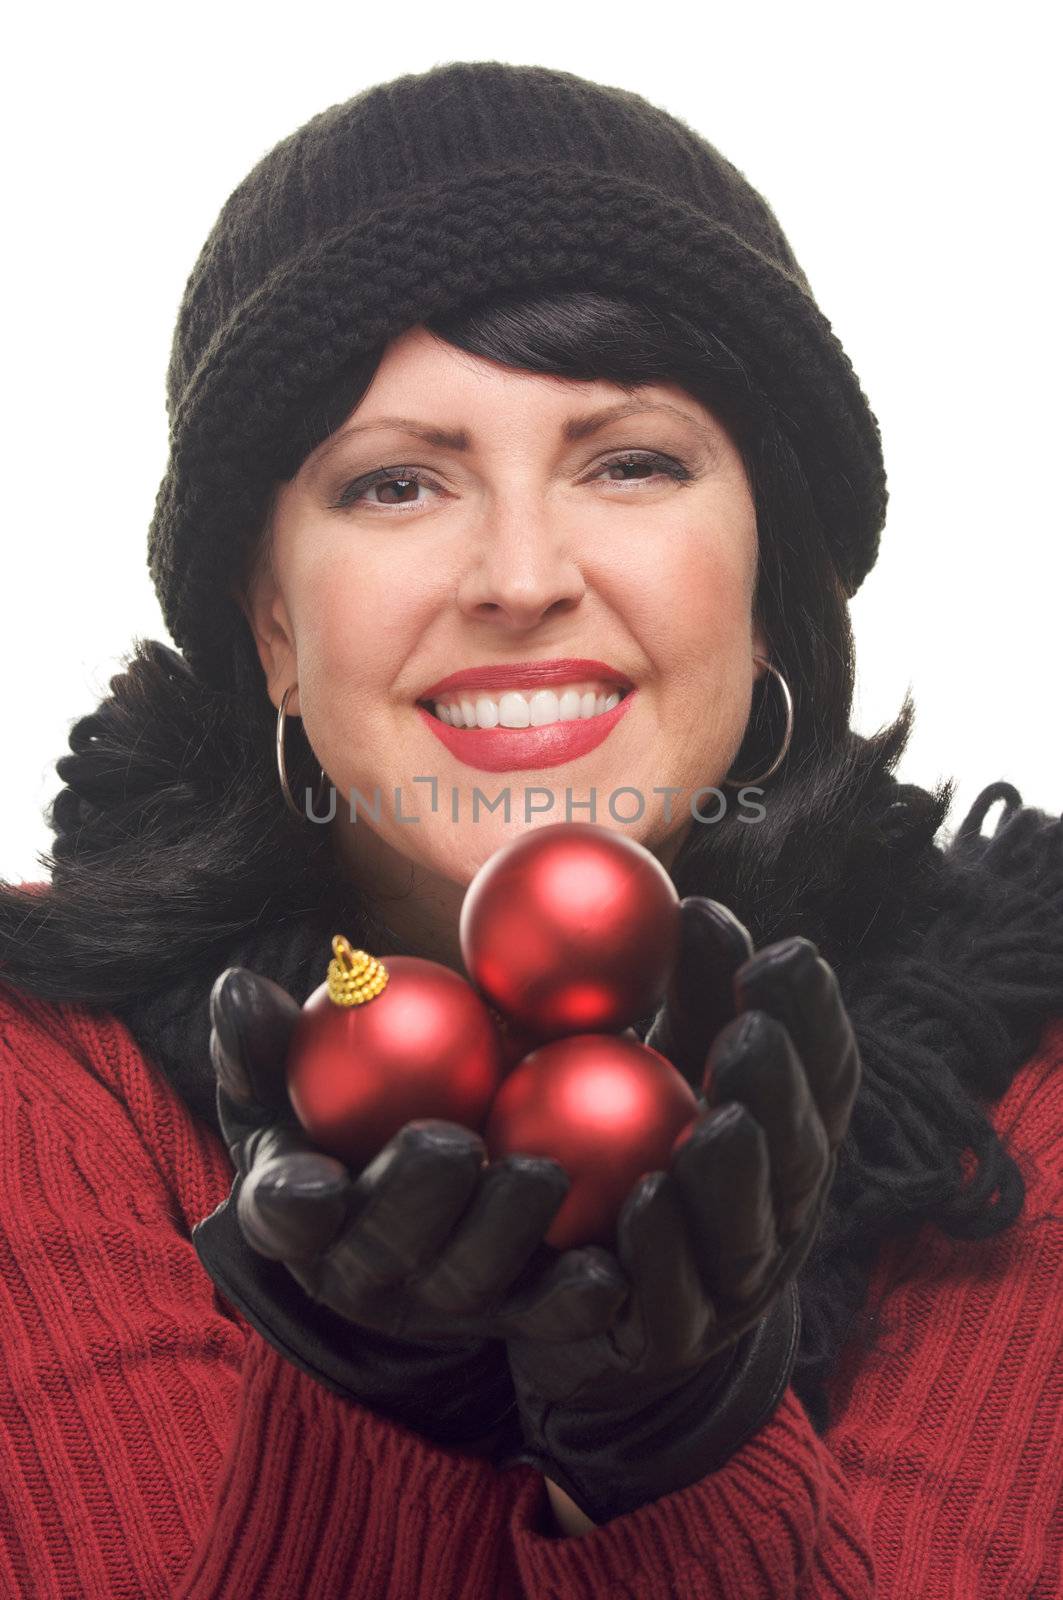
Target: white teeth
[513,711]
[544,707]
[535,709]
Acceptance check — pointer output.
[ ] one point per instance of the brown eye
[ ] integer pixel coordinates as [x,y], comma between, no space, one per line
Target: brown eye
[662,464]
[401,477]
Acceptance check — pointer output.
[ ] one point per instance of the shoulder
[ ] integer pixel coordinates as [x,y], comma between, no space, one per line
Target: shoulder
[34,1031]
[75,1077]
[1008,940]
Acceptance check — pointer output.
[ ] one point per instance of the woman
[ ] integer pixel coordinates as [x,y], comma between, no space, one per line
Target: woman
[819,1358]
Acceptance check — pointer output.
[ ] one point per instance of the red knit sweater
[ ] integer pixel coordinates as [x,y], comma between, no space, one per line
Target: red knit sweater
[152,1444]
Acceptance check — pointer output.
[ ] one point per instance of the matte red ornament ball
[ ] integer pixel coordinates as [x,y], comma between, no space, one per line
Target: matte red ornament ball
[571,928]
[425,1046]
[608,1108]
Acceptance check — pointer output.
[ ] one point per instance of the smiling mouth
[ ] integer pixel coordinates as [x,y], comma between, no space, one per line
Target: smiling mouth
[520,709]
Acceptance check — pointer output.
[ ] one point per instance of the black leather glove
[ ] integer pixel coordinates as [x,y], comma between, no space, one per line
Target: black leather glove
[395,1287]
[702,1349]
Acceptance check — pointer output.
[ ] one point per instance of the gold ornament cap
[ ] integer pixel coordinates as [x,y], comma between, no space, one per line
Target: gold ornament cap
[354,976]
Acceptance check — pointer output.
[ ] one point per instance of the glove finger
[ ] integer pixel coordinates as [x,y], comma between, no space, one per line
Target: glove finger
[792,982]
[574,1296]
[513,1206]
[668,1312]
[700,996]
[251,1022]
[402,1208]
[294,1198]
[254,1018]
[754,1062]
[240,1121]
[722,1173]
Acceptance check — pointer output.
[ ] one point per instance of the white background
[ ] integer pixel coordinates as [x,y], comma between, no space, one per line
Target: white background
[911,156]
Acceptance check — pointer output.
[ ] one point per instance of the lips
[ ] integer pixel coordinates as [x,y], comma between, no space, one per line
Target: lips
[516,749]
[526,675]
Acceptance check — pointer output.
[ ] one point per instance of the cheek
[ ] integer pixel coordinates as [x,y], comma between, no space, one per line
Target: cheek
[357,622]
[348,625]
[701,583]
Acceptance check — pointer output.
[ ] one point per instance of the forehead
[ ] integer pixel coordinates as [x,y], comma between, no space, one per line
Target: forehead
[448,398]
[425,363]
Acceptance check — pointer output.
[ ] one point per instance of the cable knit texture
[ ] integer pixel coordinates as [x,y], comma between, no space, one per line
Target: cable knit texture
[423,194]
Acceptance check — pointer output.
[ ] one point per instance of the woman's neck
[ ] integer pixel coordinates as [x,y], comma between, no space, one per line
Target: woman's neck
[418,909]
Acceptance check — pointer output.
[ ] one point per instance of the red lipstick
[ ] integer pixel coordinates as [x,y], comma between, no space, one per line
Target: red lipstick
[527,675]
[516,749]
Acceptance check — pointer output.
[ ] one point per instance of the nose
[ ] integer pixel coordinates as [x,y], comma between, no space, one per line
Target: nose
[521,570]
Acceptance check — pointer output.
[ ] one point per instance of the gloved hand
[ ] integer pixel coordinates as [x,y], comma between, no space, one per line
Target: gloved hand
[396,1286]
[702,1349]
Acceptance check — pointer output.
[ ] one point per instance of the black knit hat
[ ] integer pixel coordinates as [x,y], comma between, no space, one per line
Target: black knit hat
[422,194]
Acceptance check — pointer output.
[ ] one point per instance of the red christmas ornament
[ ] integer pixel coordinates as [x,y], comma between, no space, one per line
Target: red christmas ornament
[608,1109]
[377,1046]
[571,929]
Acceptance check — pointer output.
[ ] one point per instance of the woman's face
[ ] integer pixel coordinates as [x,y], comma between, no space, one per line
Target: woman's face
[526,540]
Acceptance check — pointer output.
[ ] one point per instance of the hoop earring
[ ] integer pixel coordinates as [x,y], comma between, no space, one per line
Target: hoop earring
[282,769]
[788,698]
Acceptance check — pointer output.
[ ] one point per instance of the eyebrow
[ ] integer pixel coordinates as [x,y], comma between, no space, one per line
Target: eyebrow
[572,430]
